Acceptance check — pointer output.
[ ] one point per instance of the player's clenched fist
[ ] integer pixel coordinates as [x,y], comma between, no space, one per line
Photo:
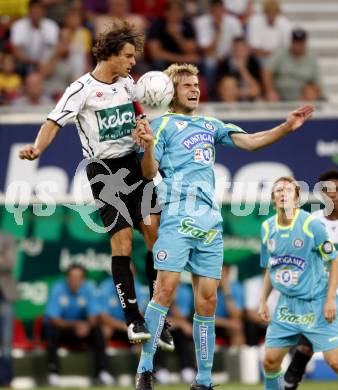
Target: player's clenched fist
[29,152]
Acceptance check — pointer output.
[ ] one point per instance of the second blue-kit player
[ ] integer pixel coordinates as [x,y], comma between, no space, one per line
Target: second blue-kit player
[295,247]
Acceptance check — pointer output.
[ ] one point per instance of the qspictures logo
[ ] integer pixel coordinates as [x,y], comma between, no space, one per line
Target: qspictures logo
[115,122]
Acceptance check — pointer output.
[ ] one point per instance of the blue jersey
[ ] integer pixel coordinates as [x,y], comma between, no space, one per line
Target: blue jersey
[109,301]
[295,255]
[185,151]
[63,303]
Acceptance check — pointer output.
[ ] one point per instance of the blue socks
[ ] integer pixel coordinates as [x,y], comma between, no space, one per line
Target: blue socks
[154,318]
[204,339]
[274,381]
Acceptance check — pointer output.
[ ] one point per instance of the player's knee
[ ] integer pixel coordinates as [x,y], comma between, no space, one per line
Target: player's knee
[206,304]
[270,364]
[332,361]
[165,294]
[305,349]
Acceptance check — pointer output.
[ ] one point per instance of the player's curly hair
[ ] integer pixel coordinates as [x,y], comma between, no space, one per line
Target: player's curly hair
[113,39]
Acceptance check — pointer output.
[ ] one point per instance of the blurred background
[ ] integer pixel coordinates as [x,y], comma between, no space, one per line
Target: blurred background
[257,60]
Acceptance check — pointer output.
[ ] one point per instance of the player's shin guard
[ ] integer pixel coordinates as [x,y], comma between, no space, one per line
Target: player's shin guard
[124,283]
[151,273]
[296,370]
[273,381]
[204,339]
[155,316]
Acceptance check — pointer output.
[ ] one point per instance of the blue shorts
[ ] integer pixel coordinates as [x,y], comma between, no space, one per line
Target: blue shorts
[190,243]
[294,317]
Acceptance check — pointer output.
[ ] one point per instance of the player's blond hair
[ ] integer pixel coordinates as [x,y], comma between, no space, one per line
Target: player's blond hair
[177,71]
[290,180]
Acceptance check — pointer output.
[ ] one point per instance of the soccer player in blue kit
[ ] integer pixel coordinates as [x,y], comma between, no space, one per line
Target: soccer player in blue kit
[182,148]
[295,247]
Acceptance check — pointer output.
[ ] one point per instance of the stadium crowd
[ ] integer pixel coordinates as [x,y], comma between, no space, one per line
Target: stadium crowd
[242,55]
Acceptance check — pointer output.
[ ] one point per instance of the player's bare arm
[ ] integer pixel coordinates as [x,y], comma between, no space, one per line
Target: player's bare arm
[260,139]
[45,136]
[330,304]
[144,137]
[263,310]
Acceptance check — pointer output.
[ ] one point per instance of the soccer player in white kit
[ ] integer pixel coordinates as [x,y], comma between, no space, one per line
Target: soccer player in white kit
[102,105]
[304,350]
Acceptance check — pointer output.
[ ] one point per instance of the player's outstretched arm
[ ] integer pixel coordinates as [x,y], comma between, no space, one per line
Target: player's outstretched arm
[330,309]
[254,141]
[45,136]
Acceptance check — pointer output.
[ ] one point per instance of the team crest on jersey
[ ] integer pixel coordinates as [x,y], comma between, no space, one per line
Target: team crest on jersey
[161,255]
[209,126]
[271,244]
[286,277]
[298,243]
[99,94]
[181,125]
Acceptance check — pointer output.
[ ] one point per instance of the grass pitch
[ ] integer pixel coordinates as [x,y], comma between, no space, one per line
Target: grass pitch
[227,386]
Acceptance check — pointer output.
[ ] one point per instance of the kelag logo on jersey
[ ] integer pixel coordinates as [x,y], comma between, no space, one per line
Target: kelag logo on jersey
[287,260]
[198,138]
[115,122]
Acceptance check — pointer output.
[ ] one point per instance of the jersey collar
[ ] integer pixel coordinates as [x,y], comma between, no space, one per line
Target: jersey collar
[291,224]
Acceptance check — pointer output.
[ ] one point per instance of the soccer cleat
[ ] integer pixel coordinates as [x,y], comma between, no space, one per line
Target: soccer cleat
[166,341]
[144,381]
[196,386]
[137,332]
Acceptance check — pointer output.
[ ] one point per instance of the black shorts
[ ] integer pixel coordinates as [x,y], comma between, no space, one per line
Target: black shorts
[123,196]
[304,341]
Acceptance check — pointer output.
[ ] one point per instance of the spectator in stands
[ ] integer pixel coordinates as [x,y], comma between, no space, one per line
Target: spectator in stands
[229,310]
[228,90]
[180,318]
[34,95]
[72,319]
[10,81]
[215,33]
[150,9]
[242,9]
[255,327]
[57,9]
[117,9]
[8,293]
[71,56]
[268,31]
[172,38]
[33,37]
[289,72]
[239,72]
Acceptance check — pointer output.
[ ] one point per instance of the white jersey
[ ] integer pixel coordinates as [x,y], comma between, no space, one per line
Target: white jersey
[103,113]
[331,226]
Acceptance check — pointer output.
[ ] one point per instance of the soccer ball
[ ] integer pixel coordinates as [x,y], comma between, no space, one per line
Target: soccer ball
[154,89]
